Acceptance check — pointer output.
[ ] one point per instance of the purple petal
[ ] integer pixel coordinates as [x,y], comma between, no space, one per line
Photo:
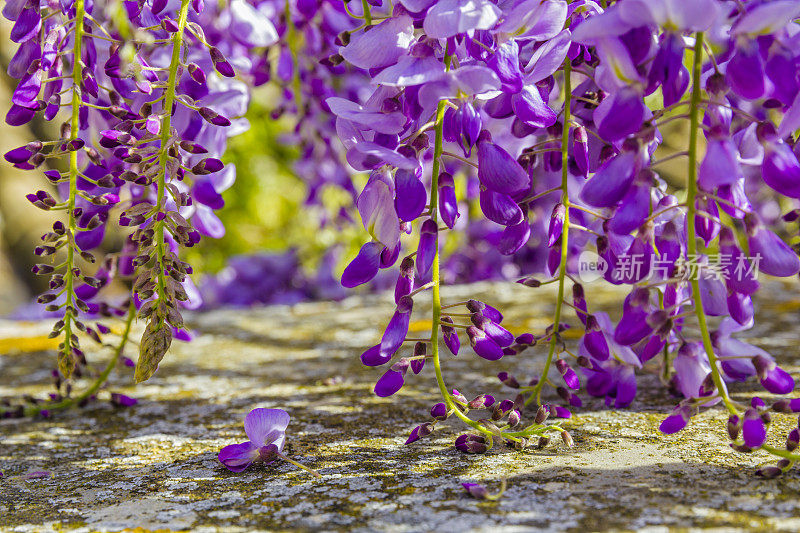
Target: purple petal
[740,307]
[778,381]
[599,383]
[776,257]
[413,436]
[237,457]
[382,45]
[767,18]
[505,63]
[13,8]
[483,345]
[713,294]
[611,181]
[498,334]
[632,327]
[781,170]
[535,19]
[123,400]
[720,165]
[745,71]
[571,379]
[411,196]
[18,115]
[364,267]
[452,342]
[417,6]
[514,237]
[205,193]
[389,383]
[451,17]
[620,115]
[675,422]
[633,209]
[500,208]
[27,25]
[250,26]
[626,387]
[529,107]
[376,207]
[388,123]
[27,90]
[448,205]
[411,71]
[373,357]
[596,344]
[548,58]
[426,251]
[27,53]
[754,433]
[397,329]
[266,426]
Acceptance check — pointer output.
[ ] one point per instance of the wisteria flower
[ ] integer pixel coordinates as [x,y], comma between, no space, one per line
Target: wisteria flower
[479,492]
[266,429]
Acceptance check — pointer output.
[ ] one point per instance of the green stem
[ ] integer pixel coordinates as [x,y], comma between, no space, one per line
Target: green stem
[66,363]
[68,403]
[436,280]
[786,454]
[166,130]
[300,465]
[367,13]
[694,121]
[562,268]
[437,301]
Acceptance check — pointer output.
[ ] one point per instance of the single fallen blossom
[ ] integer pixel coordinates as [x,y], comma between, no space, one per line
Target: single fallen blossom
[266,429]
[38,475]
[121,400]
[479,492]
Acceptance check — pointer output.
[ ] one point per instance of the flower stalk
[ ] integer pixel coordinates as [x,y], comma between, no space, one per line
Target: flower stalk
[562,267]
[102,378]
[163,154]
[66,359]
[691,193]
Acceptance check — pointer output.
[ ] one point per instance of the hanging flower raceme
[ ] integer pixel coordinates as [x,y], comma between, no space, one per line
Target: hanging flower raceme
[149,102]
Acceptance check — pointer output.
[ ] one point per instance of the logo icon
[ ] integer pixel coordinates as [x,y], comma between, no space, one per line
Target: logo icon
[591,266]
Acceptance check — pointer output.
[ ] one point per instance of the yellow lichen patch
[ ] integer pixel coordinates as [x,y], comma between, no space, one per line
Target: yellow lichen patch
[419,325]
[21,345]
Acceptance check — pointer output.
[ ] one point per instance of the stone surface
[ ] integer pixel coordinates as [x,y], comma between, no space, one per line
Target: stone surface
[154,465]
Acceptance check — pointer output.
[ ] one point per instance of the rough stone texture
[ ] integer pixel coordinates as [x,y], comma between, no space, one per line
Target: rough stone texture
[154,465]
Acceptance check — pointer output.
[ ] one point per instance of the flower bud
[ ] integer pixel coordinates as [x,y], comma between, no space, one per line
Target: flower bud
[475,490]
[792,439]
[530,282]
[508,380]
[769,472]
[212,117]
[471,443]
[733,427]
[458,397]
[481,402]
[439,411]
[541,415]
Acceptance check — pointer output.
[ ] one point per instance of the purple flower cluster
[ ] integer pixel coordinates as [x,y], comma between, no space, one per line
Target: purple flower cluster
[152,91]
[541,116]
